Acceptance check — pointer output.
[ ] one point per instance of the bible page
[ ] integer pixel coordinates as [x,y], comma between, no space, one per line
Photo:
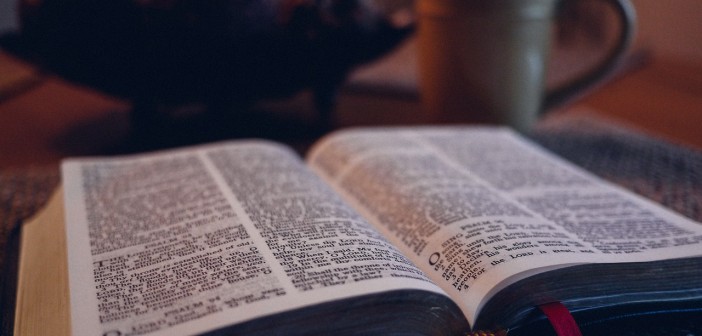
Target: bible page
[192,240]
[480,208]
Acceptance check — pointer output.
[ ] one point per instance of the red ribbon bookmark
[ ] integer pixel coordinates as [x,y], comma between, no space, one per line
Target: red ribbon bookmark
[560,318]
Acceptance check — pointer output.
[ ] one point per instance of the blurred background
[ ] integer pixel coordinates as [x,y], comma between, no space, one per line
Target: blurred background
[656,93]
[657,90]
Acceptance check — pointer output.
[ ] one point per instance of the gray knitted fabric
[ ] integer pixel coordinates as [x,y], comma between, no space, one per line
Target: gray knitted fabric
[666,173]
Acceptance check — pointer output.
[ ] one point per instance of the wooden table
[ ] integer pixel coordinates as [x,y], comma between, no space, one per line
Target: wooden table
[663,98]
[53,119]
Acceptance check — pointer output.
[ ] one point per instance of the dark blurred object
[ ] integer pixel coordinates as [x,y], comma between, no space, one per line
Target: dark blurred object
[224,54]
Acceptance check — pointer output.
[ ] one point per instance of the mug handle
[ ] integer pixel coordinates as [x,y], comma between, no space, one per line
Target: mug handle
[627,15]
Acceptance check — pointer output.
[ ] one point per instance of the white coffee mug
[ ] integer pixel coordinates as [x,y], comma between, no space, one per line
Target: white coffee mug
[485,61]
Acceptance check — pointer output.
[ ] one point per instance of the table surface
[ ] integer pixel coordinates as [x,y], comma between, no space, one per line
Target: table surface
[663,98]
[51,119]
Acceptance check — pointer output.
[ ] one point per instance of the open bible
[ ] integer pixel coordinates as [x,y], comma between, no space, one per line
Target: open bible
[424,230]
